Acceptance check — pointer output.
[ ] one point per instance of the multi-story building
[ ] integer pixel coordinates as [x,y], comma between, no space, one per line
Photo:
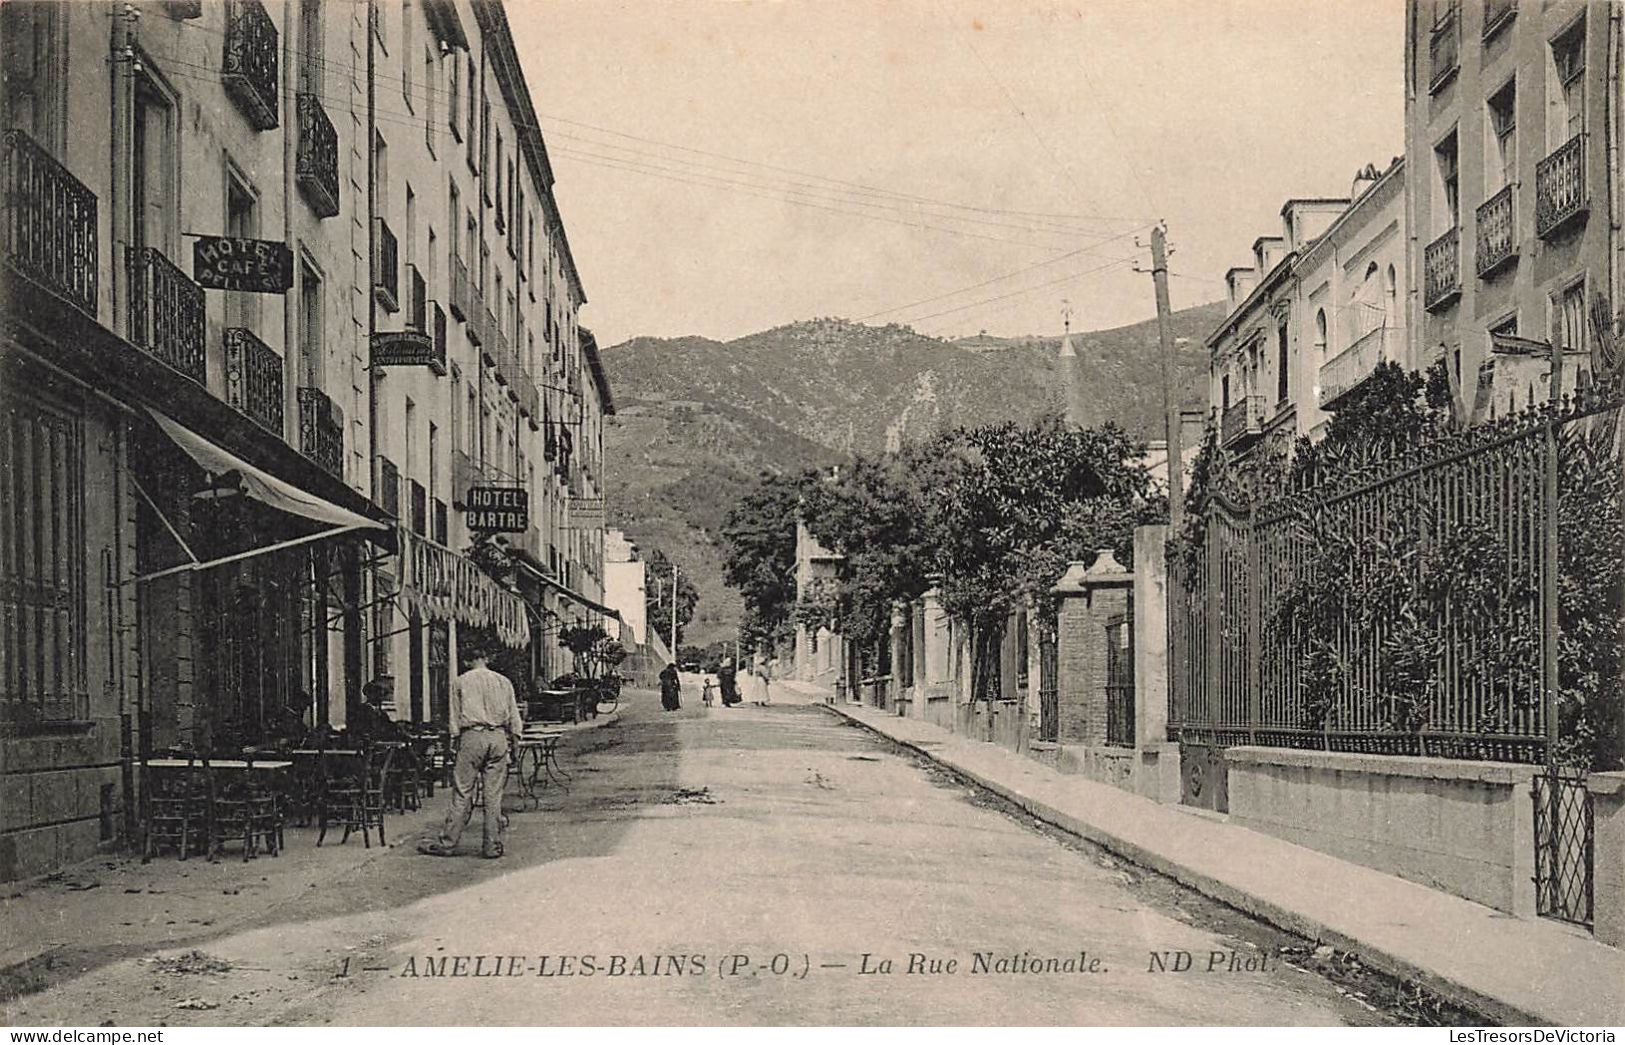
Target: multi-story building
[281,281]
[1313,314]
[1512,139]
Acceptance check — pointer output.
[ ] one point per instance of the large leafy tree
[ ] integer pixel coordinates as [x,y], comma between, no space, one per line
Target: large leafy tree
[759,552]
[657,597]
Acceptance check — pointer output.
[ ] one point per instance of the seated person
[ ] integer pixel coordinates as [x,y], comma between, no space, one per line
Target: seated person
[372,722]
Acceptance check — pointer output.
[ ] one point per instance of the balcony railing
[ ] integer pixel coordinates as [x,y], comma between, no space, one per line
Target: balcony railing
[493,339]
[317,169]
[166,312]
[254,379]
[477,332]
[420,509]
[1442,267]
[249,68]
[1498,13]
[461,289]
[321,431]
[1243,422]
[49,223]
[388,494]
[1497,231]
[1347,370]
[530,399]
[386,267]
[1560,186]
[1444,50]
[417,300]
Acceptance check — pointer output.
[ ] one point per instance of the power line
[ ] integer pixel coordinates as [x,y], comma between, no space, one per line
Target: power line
[1017,293]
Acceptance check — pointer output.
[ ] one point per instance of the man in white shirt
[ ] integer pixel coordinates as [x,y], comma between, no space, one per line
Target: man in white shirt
[485,720]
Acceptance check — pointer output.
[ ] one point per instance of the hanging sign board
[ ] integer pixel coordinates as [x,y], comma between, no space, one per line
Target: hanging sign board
[497,509]
[586,513]
[258,266]
[405,348]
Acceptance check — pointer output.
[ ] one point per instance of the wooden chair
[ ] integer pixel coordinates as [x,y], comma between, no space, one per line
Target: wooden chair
[178,807]
[353,793]
[246,808]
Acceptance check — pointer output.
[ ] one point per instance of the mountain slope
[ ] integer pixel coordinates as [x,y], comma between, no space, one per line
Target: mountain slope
[700,419]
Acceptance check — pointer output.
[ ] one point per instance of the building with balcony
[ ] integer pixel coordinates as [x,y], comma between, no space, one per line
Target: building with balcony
[1512,143]
[227,471]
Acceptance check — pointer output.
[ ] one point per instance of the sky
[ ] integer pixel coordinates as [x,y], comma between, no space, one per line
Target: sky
[726,166]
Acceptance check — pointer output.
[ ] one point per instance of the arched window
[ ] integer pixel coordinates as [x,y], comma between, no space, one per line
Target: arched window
[1320,335]
[1392,296]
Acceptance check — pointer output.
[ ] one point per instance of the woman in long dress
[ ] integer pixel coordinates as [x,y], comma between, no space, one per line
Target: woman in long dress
[670,688]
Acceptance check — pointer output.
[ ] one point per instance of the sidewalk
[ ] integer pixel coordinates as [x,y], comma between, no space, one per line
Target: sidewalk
[114,906]
[1515,970]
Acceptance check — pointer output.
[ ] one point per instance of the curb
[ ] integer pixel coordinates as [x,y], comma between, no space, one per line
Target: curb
[1259,907]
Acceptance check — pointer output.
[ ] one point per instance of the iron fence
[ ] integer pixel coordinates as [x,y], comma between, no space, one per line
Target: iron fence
[1120,682]
[1563,846]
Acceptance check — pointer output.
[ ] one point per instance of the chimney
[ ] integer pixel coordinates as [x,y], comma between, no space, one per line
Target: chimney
[1363,180]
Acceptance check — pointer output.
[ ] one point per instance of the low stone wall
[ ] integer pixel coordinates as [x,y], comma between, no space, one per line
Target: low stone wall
[1464,827]
[1151,772]
[1608,856]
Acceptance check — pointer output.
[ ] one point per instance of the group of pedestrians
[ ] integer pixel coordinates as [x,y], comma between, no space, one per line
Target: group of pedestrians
[734,689]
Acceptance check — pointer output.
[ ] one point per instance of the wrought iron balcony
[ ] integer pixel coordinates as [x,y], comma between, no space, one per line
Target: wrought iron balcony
[386,266]
[1560,187]
[1243,422]
[1497,231]
[1498,13]
[419,508]
[417,300]
[1444,50]
[530,399]
[1348,370]
[1442,268]
[461,289]
[317,169]
[321,431]
[166,312]
[477,332]
[493,340]
[249,68]
[254,379]
[388,494]
[49,230]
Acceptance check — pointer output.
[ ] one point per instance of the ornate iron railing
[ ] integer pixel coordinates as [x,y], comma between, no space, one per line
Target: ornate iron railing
[1243,421]
[49,225]
[1560,186]
[1497,231]
[317,168]
[1347,370]
[1442,268]
[321,430]
[386,266]
[249,67]
[388,494]
[1444,49]
[254,378]
[1120,682]
[166,312]
[1565,846]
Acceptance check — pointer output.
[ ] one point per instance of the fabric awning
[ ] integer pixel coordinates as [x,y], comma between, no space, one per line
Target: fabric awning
[536,571]
[442,585]
[260,484]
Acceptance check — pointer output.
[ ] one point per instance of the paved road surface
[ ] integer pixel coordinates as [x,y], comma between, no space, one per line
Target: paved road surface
[709,835]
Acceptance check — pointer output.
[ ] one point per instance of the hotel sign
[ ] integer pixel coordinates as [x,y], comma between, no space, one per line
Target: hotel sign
[497,509]
[258,266]
[407,348]
[586,513]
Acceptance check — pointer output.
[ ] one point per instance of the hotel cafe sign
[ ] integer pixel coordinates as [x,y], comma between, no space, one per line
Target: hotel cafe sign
[256,266]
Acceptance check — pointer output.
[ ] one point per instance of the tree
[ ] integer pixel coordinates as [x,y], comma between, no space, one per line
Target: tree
[595,653]
[657,597]
[759,552]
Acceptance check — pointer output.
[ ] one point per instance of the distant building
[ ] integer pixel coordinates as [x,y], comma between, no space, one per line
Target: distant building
[1512,121]
[818,650]
[625,587]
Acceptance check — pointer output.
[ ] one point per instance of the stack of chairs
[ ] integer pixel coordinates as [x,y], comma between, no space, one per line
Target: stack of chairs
[178,807]
[353,793]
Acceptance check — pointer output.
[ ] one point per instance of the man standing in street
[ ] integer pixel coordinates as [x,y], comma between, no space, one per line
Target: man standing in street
[485,719]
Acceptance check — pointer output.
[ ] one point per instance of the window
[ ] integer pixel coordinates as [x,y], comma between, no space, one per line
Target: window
[1283,365]
[242,220]
[1571,318]
[379,12]
[1224,392]
[1501,165]
[310,46]
[310,326]
[1448,185]
[1021,650]
[380,172]
[1391,292]
[409,235]
[500,210]
[1507,326]
[456,208]
[1320,335]
[154,195]
[473,160]
[434,458]
[429,89]
[1568,68]
[32,64]
[456,408]
[42,580]
[471,441]
[408,458]
[406,55]
[454,97]
[433,262]
[485,144]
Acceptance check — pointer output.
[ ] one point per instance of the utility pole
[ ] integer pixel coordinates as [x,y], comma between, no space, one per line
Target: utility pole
[674,610]
[1170,398]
